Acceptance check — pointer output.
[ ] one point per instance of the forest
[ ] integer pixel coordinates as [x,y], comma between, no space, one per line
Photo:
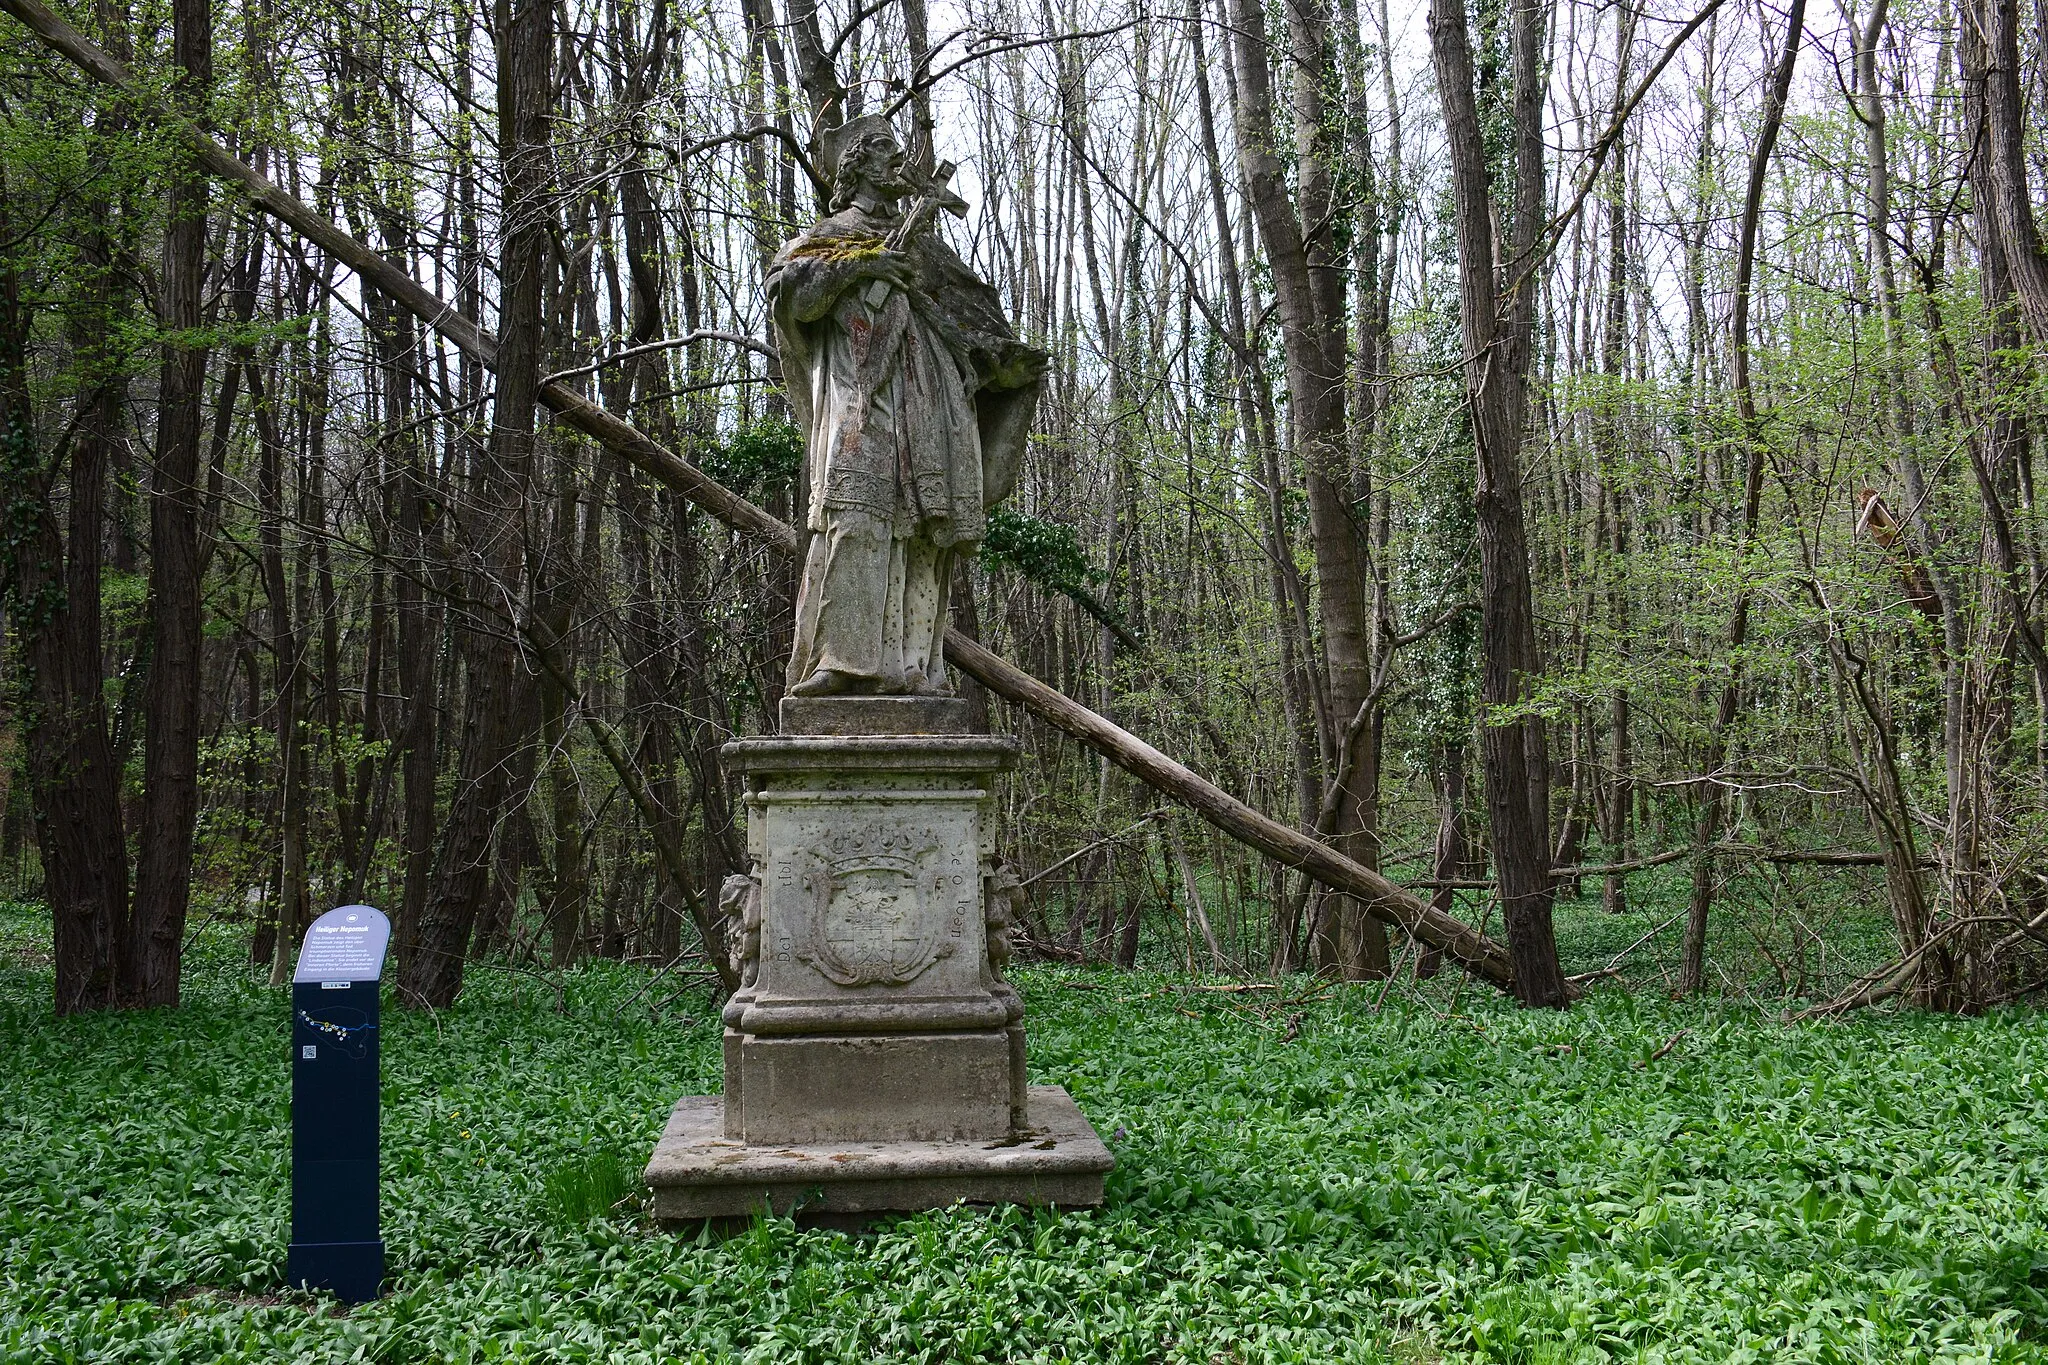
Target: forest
[1526,583]
[1513,451]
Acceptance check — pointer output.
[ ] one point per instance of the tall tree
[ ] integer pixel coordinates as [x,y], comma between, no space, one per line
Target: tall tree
[1619,794]
[52,597]
[1497,309]
[1713,795]
[2003,147]
[494,728]
[170,755]
[1298,219]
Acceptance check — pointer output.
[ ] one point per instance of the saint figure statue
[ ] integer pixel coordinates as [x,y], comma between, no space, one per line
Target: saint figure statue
[914,396]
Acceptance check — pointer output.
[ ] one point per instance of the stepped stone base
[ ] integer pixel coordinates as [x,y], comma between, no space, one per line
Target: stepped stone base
[919,1087]
[874,1053]
[698,1172]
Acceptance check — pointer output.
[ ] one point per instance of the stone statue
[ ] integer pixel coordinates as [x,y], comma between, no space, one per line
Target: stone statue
[1002,916]
[874,1056]
[915,398]
[739,899]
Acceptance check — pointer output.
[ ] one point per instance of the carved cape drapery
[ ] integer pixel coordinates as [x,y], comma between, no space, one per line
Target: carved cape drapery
[945,439]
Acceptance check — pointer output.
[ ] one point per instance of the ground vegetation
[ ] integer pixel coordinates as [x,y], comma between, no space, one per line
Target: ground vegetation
[1373,1172]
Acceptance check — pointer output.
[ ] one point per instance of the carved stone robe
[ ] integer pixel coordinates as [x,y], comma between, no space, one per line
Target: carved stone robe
[915,405]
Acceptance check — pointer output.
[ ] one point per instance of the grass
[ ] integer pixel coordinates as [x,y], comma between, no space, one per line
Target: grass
[1323,1181]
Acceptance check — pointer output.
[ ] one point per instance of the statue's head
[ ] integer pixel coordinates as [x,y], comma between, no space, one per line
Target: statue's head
[732,896]
[866,154]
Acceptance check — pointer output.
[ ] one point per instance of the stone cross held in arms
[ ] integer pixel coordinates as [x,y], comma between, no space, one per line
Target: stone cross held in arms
[914,396]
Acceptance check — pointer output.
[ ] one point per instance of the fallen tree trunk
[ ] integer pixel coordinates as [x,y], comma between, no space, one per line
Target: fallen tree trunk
[1284,844]
[1819,857]
[1386,901]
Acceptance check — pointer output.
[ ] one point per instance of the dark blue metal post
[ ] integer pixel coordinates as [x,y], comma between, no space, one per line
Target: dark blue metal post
[335,1243]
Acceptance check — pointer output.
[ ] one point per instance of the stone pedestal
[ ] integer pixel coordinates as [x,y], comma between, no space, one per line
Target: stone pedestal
[874,1054]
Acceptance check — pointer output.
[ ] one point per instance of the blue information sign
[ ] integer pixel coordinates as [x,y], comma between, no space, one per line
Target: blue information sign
[335,994]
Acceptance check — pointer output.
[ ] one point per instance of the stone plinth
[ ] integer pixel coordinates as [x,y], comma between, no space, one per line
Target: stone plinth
[698,1172]
[874,716]
[874,1053]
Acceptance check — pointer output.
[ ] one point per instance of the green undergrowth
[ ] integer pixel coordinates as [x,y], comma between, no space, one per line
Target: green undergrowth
[1299,1179]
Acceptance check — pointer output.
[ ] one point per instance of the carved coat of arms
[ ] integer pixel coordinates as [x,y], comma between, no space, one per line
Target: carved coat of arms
[875,916]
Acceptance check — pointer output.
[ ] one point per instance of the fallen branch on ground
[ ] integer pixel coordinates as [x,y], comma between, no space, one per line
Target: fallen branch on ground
[1820,857]
[1665,1051]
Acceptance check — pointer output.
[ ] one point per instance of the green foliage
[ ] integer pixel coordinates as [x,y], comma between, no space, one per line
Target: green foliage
[1325,1182]
[232,849]
[587,1186]
[764,454]
[1047,553]
[1440,569]
[124,599]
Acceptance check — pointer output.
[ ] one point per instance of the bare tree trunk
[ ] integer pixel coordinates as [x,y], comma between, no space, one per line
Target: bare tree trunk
[1619,794]
[421,612]
[644,646]
[396,598]
[287,684]
[492,725]
[1308,286]
[569,886]
[170,755]
[1255,426]
[1496,338]
[1707,831]
[1448,864]
[419,633]
[2004,150]
[53,605]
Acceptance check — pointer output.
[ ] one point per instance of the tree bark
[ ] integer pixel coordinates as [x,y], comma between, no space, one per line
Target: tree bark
[1619,793]
[1707,830]
[1256,423]
[170,750]
[53,605]
[492,714]
[2004,150]
[568,884]
[288,688]
[1448,864]
[1299,232]
[1496,338]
